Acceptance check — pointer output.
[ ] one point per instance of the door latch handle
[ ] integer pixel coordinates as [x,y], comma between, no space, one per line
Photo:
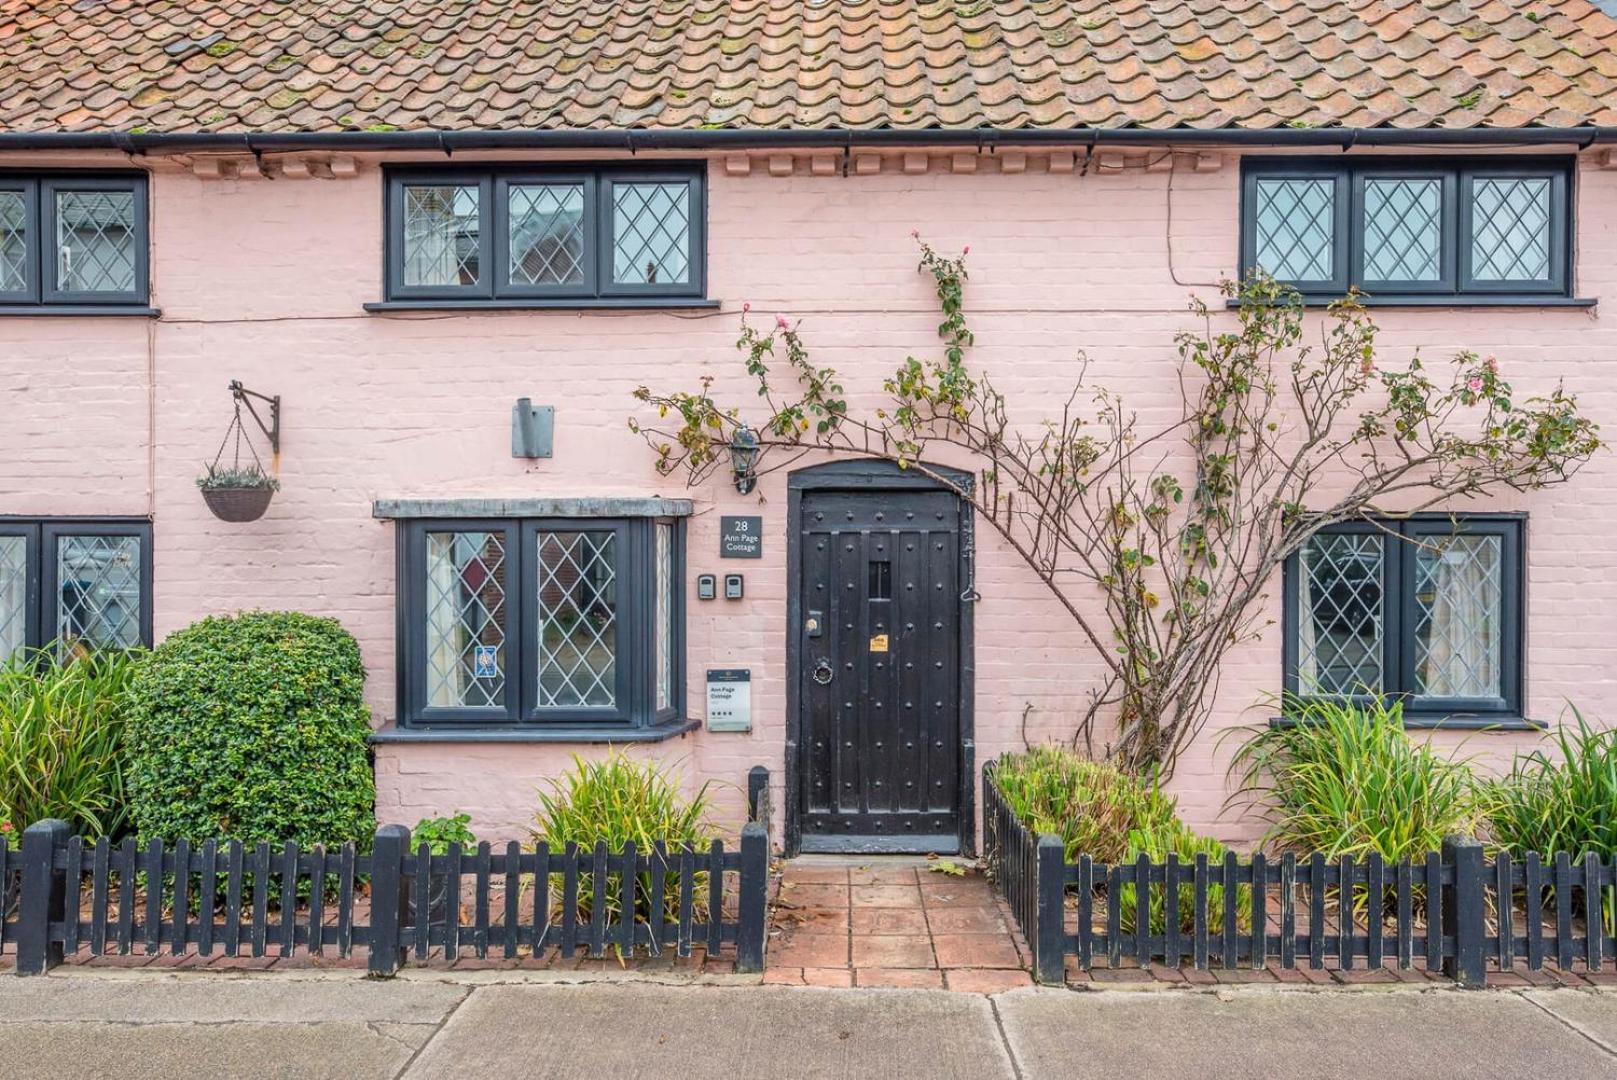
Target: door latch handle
[822,672]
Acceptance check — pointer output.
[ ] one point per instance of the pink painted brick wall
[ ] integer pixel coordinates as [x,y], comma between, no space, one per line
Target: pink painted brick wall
[263,281]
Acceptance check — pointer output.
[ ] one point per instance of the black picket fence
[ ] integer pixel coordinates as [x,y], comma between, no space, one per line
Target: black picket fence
[62,893]
[1454,911]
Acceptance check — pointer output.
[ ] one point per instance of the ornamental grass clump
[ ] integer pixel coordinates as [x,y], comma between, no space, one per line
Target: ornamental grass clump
[1342,778]
[1093,807]
[63,733]
[617,799]
[1100,811]
[1561,800]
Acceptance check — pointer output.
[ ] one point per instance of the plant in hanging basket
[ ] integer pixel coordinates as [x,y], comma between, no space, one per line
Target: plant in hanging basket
[237,494]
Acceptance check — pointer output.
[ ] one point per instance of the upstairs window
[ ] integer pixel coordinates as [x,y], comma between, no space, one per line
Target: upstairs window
[515,236]
[1418,230]
[1426,610]
[72,239]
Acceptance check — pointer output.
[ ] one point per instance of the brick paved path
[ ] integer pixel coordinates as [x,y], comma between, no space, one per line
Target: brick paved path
[891,923]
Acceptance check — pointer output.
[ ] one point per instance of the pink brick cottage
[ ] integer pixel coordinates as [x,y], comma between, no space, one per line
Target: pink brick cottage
[454,239]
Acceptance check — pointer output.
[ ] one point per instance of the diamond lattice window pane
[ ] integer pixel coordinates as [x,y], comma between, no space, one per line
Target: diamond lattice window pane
[1510,229]
[1403,230]
[95,241]
[441,235]
[13,241]
[547,234]
[1296,228]
[13,596]
[651,230]
[466,593]
[97,592]
[1458,611]
[665,616]
[1338,617]
[578,616]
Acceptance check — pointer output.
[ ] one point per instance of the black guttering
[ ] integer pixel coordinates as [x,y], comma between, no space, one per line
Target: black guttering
[449,142]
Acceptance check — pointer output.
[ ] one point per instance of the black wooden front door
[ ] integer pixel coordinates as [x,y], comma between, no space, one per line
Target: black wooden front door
[878,651]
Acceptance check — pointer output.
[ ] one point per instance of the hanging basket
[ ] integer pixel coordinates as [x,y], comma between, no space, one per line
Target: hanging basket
[238,504]
[242,492]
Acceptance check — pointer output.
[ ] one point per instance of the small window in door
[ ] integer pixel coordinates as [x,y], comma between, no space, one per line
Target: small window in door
[881,579]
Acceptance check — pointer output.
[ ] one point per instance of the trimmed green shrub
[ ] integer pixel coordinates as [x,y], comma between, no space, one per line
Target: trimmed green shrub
[253,727]
[1560,801]
[618,799]
[1345,779]
[1100,811]
[62,737]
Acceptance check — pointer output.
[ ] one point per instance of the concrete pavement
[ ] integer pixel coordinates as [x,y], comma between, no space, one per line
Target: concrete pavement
[442,1024]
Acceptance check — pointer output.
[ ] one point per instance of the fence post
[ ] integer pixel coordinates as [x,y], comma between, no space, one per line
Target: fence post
[44,896]
[758,796]
[389,899]
[754,900]
[1049,930]
[1463,914]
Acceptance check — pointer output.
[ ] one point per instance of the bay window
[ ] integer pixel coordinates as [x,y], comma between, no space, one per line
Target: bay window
[552,624]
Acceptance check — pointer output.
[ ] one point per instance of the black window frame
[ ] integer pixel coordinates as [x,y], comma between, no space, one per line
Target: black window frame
[495,288]
[1455,285]
[635,577]
[42,574]
[39,194]
[1398,617]
[396,288]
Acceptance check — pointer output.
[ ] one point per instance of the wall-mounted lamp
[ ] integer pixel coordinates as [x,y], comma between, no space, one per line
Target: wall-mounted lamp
[744,459]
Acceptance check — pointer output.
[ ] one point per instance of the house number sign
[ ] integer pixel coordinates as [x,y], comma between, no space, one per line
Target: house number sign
[741,537]
[729,699]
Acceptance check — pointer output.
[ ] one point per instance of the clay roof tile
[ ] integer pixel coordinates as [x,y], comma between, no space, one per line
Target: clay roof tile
[280,65]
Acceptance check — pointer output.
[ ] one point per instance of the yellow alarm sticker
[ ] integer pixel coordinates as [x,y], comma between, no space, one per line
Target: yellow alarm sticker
[878,643]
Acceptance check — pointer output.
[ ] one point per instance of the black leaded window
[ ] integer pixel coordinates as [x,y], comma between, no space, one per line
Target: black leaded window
[72,239]
[80,584]
[542,621]
[556,235]
[1427,228]
[1427,610]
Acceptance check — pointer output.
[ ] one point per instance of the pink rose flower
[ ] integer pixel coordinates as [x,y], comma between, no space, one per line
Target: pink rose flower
[746,306]
[780,321]
[966,250]
[915,234]
[1474,384]
[1492,364]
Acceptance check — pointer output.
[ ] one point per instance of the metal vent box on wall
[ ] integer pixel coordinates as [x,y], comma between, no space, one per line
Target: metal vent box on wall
[533,429]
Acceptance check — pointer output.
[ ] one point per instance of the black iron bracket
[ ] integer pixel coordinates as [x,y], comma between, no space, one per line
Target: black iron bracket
[272,430]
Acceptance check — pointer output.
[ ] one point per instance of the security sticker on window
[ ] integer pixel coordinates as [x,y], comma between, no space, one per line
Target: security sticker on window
[485,662]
